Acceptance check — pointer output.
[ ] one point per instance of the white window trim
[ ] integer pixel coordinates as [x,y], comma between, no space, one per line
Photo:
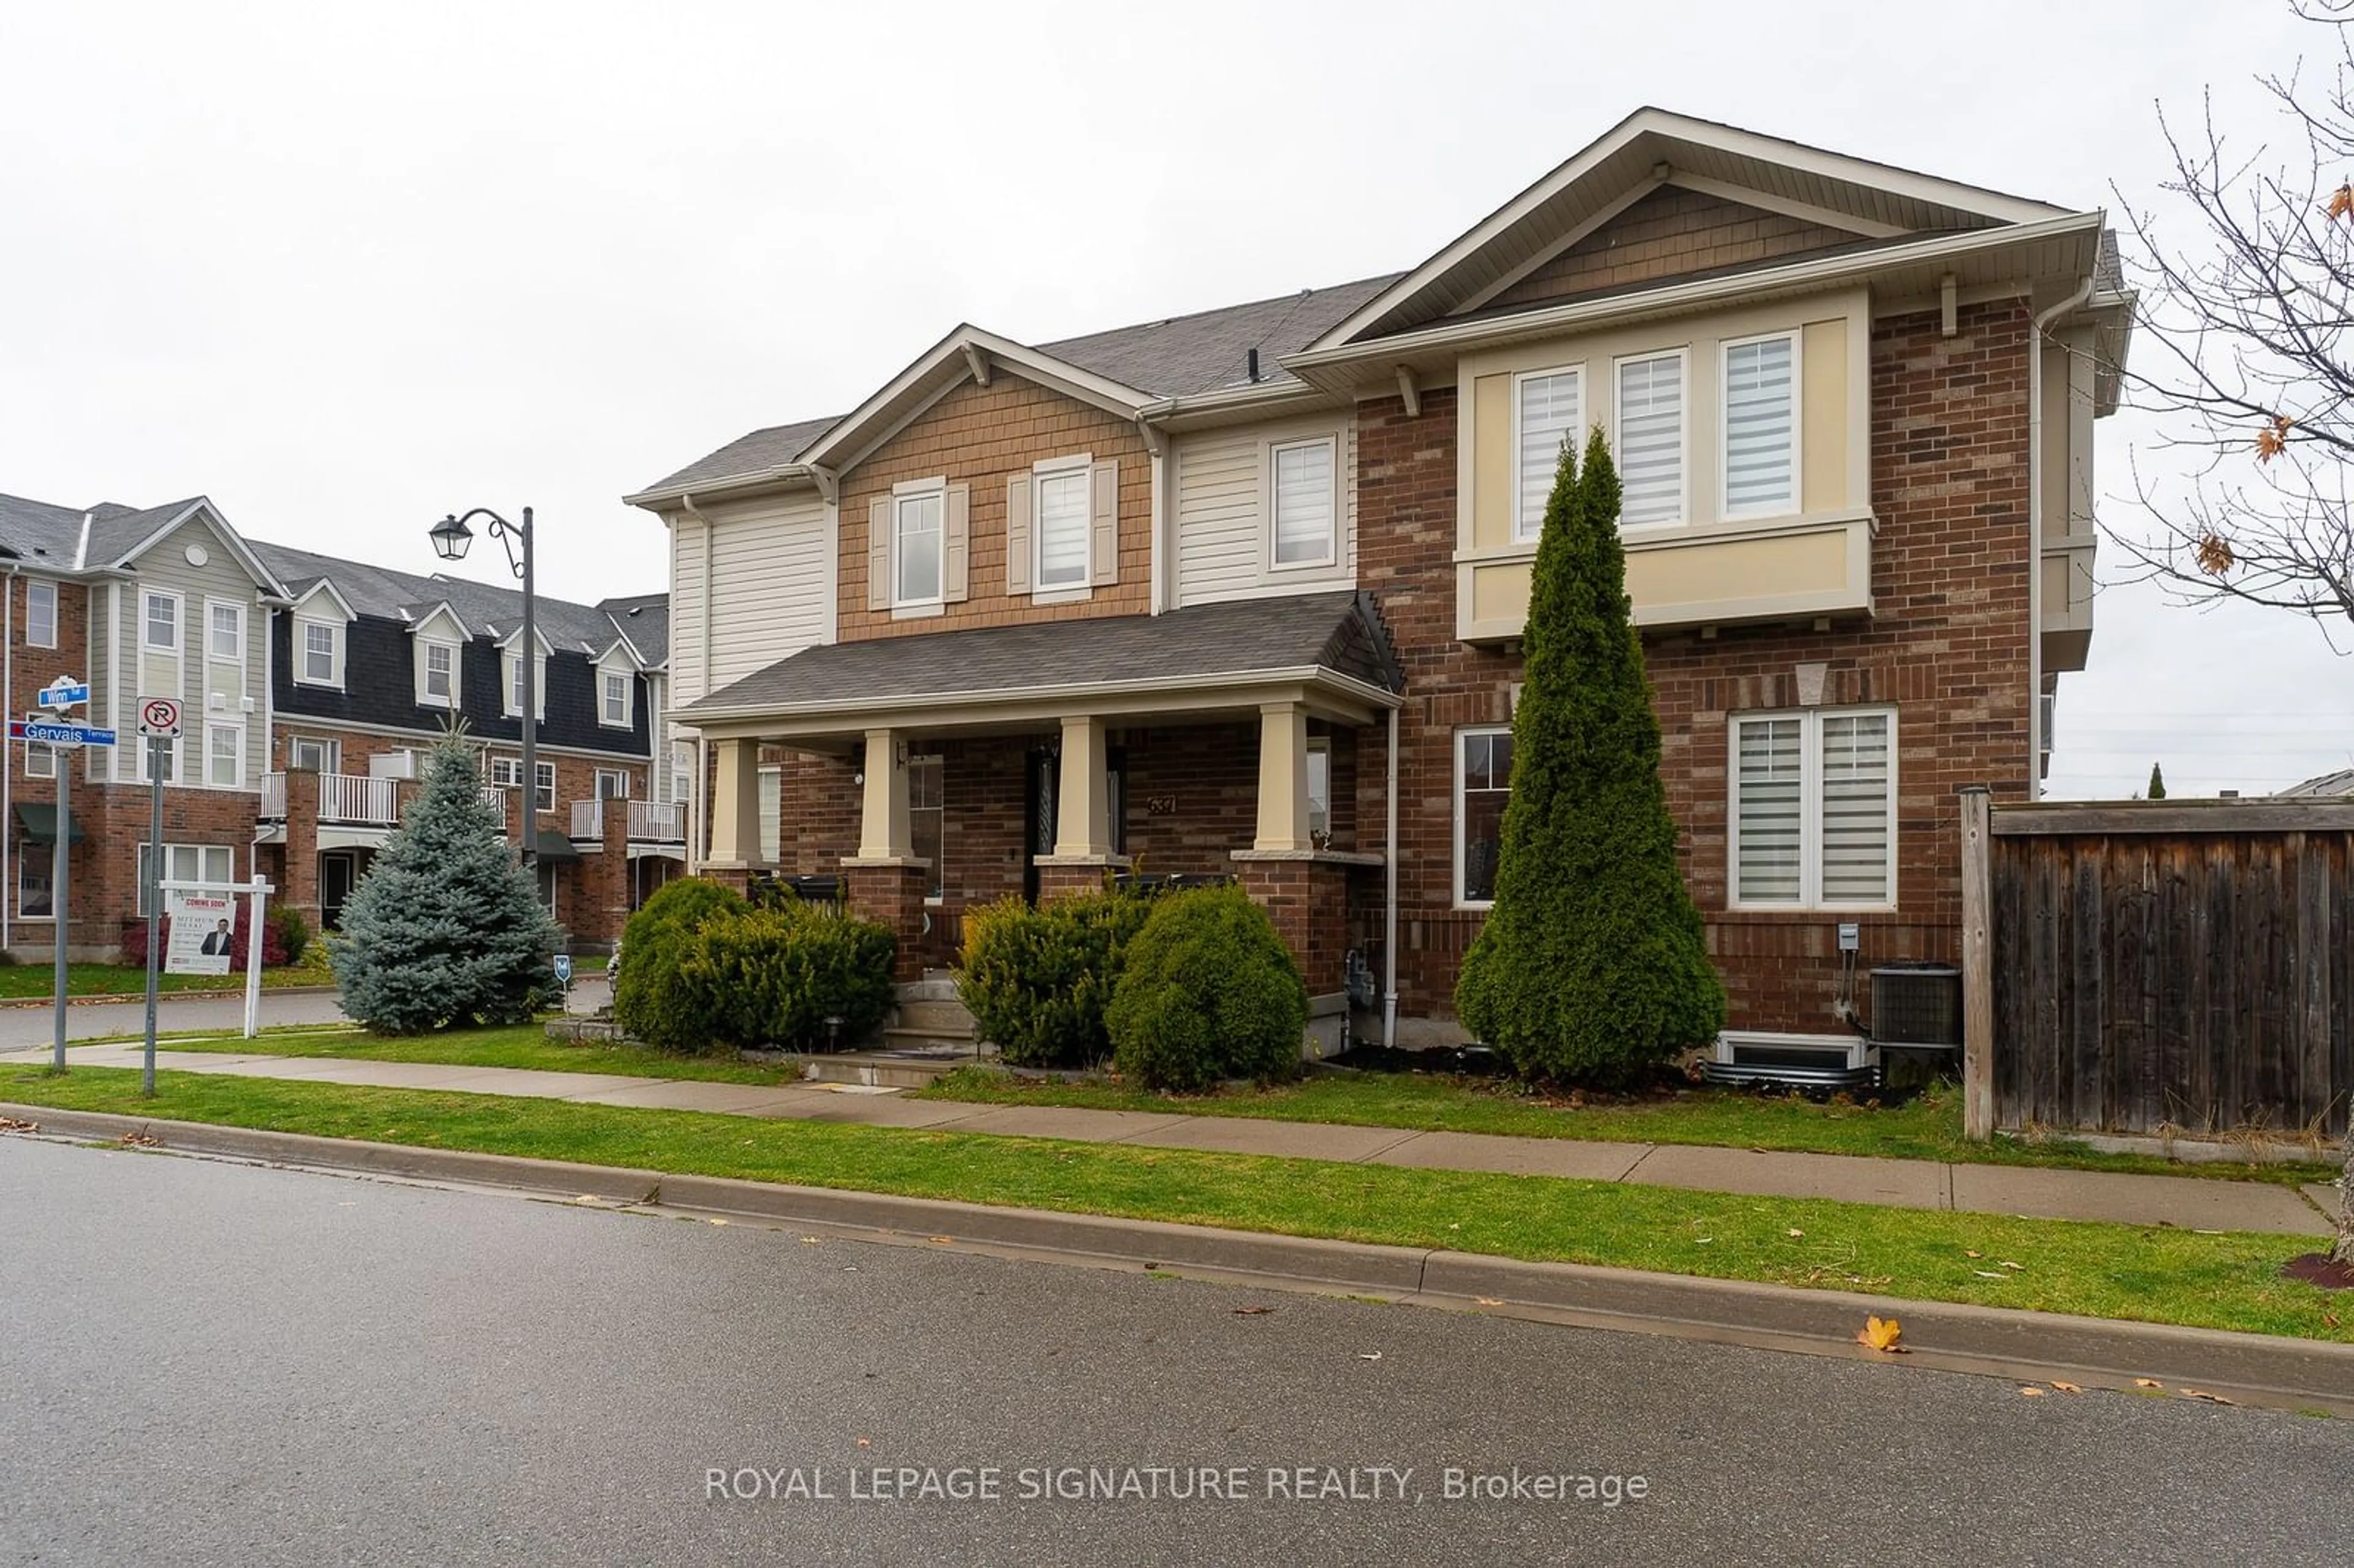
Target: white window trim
[235,728]
[331,750]
[1797,337]
[1061,593]
[1529,534]
[935,900]
[1332,556]
[1321,746]
[1810,808]
[510,671]
[1456,740]
[506,772]
[604,774]
[425,697]
[604,699]
[541,770]
[901,493]
[32,585]
[142,849]
[1682,355]
[336,630]
[47,757]
[141,751]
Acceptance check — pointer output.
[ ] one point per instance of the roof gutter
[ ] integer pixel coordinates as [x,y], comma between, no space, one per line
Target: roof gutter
[727,485]
[1377,357]
[1317,674]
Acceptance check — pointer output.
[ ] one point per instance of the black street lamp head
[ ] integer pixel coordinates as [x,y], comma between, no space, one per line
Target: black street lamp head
[451,538]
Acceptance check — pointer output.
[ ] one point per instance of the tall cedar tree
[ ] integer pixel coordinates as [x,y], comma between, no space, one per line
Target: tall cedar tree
[1591,967]
[446,929]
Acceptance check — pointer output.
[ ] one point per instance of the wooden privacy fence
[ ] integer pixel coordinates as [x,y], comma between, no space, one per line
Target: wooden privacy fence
[2158,966]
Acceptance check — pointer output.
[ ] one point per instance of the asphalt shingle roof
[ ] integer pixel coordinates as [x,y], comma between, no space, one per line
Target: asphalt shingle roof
[749,454]
[645,621]
[2330,784]
[1340,631]
[380,591]
[37,528]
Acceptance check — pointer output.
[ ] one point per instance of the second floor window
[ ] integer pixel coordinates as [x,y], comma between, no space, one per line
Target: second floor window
[318,756]
[916,529]
[1761,426]
[617,699]
[1061,531]
[440,673]
[321,662]
[543,791]
[1304,509]
[1547,410]
[1651,444]
[162,623]
[40,615]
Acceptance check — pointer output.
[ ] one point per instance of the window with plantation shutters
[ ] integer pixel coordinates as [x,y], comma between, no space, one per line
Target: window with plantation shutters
[1547,409]
[1814,810]
[1650,412]
[1761,426]
[1304,511]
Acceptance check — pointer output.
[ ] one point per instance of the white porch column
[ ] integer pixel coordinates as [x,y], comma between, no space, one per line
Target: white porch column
[1083,811]
[735,804]
[1282,779]
[883,832]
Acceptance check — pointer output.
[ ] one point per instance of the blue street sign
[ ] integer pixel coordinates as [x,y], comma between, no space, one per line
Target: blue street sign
[64,694]
[564,971]
[58,733]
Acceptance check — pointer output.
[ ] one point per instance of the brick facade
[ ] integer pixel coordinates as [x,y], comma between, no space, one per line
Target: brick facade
[1947,645]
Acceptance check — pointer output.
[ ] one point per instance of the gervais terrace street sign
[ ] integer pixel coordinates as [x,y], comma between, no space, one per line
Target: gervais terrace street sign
[56,728]
[58,731]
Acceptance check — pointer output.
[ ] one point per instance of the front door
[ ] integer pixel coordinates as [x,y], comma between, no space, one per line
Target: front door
[338,871]
[1038,817]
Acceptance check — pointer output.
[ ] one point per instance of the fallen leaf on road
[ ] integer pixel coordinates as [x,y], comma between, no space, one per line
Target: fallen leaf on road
[1487,1301]
[809,1240]
[2147,1383]
[1253,1311]
[2032,1393]
[939,1238]
[10,1124]
[715,1220]
[1369,1355]
[586,1198]
[2065,1387]
[1880,1333]
[2202,1394]
[864,1443]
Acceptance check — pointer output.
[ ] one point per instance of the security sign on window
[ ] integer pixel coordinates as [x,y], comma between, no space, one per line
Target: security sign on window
[201,927]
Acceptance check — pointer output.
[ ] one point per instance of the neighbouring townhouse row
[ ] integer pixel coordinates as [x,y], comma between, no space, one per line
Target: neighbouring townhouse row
[313,687]
[1240,593]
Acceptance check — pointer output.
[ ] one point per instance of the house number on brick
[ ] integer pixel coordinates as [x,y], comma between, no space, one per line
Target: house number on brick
[1161,805]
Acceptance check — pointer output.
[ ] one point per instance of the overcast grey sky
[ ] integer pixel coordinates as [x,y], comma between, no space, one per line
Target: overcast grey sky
[345,269]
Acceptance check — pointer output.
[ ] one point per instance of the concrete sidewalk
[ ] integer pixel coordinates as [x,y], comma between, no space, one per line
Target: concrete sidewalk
[2185,1201]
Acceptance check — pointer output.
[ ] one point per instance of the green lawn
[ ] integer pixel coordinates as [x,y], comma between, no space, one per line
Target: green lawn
[129,980]
[526,1045]
[1925,1127]
[2229,1281]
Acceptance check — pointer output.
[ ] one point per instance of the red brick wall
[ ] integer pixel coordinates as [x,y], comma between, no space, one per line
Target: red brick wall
[1947,645]
[978,436]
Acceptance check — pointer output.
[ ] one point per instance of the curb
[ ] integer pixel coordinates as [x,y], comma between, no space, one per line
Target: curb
[105,998]
[2251,1369]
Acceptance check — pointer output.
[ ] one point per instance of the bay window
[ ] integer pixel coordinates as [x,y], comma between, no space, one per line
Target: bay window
[1650,440]
[1761,426]
[1547,409]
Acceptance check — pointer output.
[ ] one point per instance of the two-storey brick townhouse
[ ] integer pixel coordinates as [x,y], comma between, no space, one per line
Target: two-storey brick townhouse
[1241,592]
[311,687]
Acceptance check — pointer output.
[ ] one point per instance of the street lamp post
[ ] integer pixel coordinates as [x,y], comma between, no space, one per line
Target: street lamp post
[450,536]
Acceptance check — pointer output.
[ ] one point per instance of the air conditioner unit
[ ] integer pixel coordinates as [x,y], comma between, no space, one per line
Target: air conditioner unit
[392,765]
[1917,1007]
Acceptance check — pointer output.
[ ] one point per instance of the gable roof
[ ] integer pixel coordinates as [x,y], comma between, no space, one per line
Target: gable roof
[644,620]
[761,454]
[1653,147]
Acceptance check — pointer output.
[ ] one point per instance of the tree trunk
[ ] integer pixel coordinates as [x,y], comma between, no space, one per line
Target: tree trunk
[2344,1252]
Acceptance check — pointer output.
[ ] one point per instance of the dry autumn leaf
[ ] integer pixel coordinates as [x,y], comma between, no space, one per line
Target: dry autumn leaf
[1880,1333]
[1798,1233]
[2147,1383]
[2273,439]
[1487,1301]
[864,1443]
[2203,1394]
[1253,1311]
[2215,557]
[1972,1252]
[2342,201]
[2066,1387]
[2032,1393]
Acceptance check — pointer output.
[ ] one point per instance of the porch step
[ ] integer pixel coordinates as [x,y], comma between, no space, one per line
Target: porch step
[886,1069]
[937,985]
[948,1016]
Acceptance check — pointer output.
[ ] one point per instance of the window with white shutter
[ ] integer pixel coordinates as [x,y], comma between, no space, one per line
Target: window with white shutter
[1547,410]
[1814,810]
[1761,426]
[1651,414]
[1304,508]
[1060,535]
[917,523]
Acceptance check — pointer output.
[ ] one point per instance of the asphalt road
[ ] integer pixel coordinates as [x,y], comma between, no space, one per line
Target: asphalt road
[210,1364]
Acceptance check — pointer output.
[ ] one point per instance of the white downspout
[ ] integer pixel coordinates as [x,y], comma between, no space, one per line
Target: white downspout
[8,764]
[2043,319]
[1389,895]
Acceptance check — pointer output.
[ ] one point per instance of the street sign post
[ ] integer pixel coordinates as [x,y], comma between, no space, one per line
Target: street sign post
[159,724]
[58,698]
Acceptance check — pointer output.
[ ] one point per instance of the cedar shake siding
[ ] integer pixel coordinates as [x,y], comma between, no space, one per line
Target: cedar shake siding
[1671,233]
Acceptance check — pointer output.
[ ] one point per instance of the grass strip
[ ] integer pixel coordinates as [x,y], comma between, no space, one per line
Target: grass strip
[2229,1281]
[1928,1126]
[524,1045]
[129,982]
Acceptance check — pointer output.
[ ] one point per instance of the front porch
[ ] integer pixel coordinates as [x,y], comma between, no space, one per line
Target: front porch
[928,797]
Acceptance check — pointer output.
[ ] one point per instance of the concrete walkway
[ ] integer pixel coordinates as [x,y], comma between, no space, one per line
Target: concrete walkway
[2186,1201]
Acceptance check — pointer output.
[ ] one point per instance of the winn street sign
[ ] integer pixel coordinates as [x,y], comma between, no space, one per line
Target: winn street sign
[65,691]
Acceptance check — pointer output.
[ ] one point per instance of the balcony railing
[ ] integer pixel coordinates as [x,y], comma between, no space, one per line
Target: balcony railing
[658,822]
[589,818]
[347,799]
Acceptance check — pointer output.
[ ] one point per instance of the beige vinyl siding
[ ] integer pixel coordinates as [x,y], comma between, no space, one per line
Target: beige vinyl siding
[1223,502]
[686,536]
[771,575]
[165,568]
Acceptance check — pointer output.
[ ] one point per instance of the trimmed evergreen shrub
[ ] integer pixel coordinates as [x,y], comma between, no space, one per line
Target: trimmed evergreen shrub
[652,998]
[1038,982]
[293,935]
[772,977]
[446,929]
[1591,967]
[1207,992]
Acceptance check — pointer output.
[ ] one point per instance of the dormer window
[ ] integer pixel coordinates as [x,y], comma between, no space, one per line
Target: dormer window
[439,674]
[510,665]
[319,653]
[616,709]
